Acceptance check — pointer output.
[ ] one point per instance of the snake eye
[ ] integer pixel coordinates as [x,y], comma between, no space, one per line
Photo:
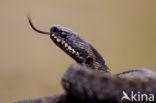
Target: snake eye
[63,34]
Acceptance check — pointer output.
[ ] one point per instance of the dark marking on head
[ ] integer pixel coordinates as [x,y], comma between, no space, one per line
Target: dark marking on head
[89,60]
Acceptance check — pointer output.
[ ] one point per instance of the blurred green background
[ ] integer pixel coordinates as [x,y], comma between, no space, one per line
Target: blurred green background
[31,66]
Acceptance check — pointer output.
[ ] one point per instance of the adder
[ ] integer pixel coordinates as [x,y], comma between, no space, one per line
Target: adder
[90,80]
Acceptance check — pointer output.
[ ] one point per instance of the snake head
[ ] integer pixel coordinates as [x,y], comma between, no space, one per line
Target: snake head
[72,44]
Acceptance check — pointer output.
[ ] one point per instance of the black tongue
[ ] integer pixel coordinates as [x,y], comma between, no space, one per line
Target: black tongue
[33,27]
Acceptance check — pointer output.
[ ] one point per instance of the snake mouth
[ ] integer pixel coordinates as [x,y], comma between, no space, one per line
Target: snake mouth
[67,48]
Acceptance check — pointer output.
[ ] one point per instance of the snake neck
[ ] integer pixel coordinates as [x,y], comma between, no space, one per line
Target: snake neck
[98,63]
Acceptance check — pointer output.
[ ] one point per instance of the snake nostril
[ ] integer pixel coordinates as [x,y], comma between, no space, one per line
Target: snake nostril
[54,29]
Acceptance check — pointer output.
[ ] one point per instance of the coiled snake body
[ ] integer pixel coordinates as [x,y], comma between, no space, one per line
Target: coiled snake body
[90,80]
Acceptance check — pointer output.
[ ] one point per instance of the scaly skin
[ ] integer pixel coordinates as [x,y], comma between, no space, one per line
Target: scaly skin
[90,81]
[100,87]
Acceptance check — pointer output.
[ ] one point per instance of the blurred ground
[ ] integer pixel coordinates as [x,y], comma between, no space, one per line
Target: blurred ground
[32,66]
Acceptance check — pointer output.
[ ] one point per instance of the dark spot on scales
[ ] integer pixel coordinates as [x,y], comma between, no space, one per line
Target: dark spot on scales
[89,60]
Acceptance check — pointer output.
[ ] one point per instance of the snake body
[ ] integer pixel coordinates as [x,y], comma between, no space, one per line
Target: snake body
[90,80]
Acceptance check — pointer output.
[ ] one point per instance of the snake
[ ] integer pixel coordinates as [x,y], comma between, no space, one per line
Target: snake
[90,80]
